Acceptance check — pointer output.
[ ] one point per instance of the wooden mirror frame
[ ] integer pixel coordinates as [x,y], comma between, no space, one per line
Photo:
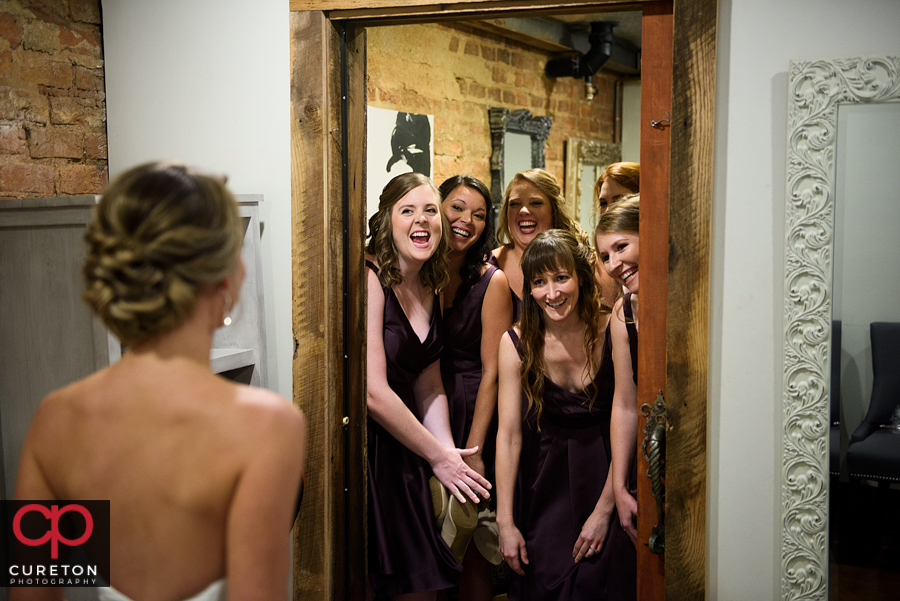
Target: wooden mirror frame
[581,152]
[816,90]
[328,229]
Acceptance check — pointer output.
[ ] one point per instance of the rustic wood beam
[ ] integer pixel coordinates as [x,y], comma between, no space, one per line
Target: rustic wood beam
[387,12]
[690,243]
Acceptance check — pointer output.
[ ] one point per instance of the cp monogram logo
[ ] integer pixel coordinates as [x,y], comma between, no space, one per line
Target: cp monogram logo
[53,514]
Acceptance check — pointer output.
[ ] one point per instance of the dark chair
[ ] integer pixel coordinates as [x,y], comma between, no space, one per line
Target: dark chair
[874,452]
[834,433]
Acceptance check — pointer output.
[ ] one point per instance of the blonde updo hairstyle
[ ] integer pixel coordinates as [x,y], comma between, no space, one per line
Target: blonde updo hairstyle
[549,187]
[435,273]
[161,233]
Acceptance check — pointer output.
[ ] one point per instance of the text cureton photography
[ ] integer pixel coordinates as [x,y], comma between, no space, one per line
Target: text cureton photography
[55,543]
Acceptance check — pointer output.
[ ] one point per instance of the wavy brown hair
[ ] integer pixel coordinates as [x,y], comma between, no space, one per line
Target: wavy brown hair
[549,251]
[549,186]
[160,233]
[435,273]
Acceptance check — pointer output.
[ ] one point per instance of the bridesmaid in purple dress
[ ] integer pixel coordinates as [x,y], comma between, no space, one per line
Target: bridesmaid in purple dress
[555,506]
[533,203]
[618,247]
[478,309]
[409,427]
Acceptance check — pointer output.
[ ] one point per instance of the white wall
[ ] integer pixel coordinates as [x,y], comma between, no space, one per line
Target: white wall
[757,39]
[631,121]
[208,82]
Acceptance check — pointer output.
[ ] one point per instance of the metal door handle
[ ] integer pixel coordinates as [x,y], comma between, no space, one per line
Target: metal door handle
[653,448]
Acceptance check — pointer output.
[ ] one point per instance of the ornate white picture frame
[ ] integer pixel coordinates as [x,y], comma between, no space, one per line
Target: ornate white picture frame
[816,89]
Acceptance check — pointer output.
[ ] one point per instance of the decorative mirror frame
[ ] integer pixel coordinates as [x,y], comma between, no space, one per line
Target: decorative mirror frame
[503,120]
[816,89]
[581,152]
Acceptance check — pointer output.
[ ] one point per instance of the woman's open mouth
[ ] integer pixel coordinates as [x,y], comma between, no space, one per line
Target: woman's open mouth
[527,227]
[420,239]
[461,233]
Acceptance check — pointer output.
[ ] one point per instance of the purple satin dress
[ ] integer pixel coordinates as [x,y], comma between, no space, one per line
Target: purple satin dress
[461,366]
[406,551]
[516,301]
[562,471]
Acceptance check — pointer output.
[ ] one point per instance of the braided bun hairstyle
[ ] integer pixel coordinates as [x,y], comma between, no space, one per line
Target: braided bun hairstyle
[161,233]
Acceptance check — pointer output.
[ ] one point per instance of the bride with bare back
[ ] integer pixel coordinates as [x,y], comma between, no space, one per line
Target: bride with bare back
[201,473]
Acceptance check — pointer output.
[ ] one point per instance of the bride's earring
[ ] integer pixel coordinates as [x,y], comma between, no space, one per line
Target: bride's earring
[228,308]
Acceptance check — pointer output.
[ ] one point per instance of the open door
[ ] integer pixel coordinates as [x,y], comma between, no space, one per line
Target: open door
[328,214]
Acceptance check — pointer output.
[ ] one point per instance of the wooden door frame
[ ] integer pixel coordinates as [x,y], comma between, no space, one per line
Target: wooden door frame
[328,227]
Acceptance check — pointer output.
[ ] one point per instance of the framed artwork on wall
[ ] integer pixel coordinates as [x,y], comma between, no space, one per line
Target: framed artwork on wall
[397,142]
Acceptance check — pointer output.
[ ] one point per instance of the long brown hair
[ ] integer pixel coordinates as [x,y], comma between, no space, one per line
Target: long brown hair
[549,251]
[435,273]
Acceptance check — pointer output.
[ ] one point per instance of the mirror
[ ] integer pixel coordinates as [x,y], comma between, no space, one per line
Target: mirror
[585,159]
[819,92]
[517,144]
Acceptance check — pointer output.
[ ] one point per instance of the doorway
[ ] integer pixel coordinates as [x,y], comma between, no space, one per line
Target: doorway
[328,116]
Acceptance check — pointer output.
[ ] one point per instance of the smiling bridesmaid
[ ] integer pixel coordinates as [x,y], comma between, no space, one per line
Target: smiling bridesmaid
[533,203]
[618,248]
[409,434]
[478,309]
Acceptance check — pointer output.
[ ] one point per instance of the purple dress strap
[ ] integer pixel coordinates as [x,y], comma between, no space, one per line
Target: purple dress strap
[516,301]
[632,333]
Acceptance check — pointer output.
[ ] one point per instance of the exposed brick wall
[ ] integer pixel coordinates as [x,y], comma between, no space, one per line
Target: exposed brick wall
[457,73]
[52,99]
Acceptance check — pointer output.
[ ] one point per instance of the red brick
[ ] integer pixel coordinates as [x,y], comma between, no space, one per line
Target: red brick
[23,105]
[472,48]
[39,69]
[10,30]
[454,45]
[488,53]
[503,55]
[95,146]
[75,38]
[86,11]
[82,179]
[509,97]
[26,178]
[494,94]
[476,90]
[12,139]
[65,110]
[48,10]
[89,79]
[453,147]
[41,37]
[54,143]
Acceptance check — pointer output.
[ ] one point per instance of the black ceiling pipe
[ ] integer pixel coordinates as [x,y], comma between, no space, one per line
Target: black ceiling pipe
[584,65]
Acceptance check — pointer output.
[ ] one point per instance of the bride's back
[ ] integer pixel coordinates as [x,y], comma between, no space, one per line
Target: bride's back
[201,473]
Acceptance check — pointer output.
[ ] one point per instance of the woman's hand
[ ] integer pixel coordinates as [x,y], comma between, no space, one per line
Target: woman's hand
[626,505]
[512,547]
[593,535]
[460,479]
